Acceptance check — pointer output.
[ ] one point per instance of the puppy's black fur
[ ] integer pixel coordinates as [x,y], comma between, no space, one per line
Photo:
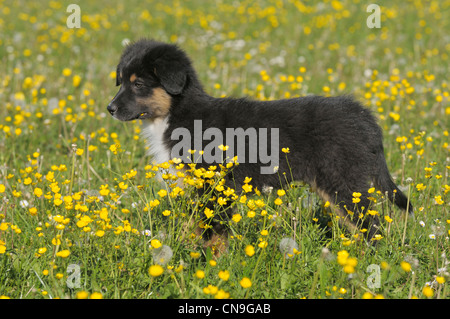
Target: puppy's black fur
[335,143]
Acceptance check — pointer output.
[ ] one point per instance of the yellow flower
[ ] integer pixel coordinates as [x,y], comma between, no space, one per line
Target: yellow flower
[155,243]
[245,283]
[38,192]
[263,244]
[247,180]
[367,295]
[221,201]
[67,72]
[285,150]
[154,203]
[2,188]
[405,266]
[249,250]
[349,269]
[33,211]
[209,212]
[420,187]
[42,250]
[63,253]
[342,257]
[222,294]
[96,295]
[224,275]
[236,218]
[155,270]
[281,192]
[99,233]
[123,186]
[82,295]
[247,188]
[342,291]
[194,255]
[2,249]
[200,274]
[76,80]
[428,291]
[440,279]
[27,181]
[162,192]
[278,201]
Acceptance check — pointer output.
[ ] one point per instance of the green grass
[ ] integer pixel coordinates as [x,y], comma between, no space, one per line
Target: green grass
[56,136]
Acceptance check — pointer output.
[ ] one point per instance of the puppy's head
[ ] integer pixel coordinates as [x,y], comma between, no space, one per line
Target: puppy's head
[149,74]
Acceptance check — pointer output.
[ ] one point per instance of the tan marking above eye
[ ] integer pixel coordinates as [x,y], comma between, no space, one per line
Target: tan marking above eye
[133,78]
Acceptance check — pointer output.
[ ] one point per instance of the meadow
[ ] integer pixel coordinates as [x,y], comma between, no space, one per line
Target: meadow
[82,214]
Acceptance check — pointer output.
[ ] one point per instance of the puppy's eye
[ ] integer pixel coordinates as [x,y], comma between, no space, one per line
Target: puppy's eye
[138,84]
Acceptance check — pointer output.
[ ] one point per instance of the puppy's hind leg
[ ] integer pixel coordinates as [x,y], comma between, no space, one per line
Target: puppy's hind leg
[352,216]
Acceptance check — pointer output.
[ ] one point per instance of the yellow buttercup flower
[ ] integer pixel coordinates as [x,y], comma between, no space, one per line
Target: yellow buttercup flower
[200,274]
[96,295]
[82,295]
[245,283]
[405,266]
[155,270]
[249,250]
[428,291]
[155,243]
[224,275]
[63,253]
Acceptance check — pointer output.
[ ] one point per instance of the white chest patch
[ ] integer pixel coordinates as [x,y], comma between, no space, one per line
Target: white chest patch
[153,132]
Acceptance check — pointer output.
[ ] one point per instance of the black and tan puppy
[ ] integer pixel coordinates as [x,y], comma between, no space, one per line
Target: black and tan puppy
[335,143]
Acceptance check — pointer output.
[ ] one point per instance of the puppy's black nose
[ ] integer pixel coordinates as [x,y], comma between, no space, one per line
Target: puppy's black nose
[112,108]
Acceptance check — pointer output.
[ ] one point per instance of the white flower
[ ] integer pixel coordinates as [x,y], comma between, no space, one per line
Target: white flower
[146,232]
[23,203]
[432,236]
[422,223]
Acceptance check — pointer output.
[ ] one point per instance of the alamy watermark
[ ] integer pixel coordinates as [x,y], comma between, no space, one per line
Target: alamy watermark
[374,279]
[74,19]
[258,145]
[74,279]
[374,20]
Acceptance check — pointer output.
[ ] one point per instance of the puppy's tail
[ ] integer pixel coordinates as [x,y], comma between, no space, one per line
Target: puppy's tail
[385,183]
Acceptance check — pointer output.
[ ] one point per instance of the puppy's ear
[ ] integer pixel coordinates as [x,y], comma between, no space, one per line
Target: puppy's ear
[172,74]
[118,78]
[169,64]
